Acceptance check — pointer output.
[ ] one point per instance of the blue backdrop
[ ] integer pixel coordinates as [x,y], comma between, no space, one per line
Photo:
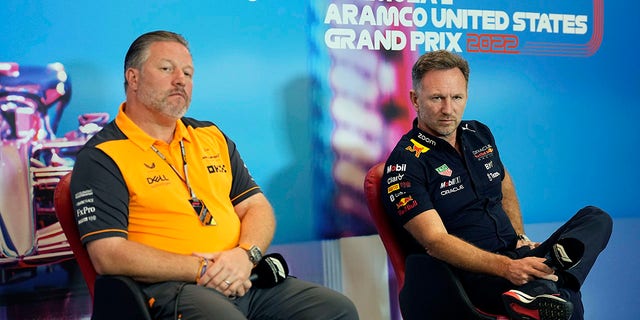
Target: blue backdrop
[564,124]
[563,116]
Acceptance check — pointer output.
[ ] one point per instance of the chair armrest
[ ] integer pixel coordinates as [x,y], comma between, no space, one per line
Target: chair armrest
[445,297]
[119,297]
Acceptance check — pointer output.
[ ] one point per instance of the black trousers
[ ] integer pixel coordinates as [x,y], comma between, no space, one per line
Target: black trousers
[590,225]
[292,299]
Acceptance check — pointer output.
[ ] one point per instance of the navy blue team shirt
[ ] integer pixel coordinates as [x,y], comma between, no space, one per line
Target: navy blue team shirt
[424,172]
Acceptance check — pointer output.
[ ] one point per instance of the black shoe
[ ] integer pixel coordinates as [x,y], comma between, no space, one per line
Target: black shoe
[521,306]
[565,254]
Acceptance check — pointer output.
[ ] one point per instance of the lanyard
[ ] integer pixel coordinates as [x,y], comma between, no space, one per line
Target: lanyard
[205,216]
[184,166]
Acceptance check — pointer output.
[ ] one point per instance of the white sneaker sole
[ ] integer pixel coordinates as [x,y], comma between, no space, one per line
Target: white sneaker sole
[522,306]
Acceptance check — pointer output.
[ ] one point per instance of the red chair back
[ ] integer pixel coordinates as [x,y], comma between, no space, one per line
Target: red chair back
[63,204]
[445,279]
[383,222]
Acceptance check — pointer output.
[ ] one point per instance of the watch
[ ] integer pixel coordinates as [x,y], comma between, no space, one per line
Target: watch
[253,252]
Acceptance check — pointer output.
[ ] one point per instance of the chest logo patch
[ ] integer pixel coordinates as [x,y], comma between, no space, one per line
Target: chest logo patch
[217,168]
[417,148]
[484,152]
[444,170]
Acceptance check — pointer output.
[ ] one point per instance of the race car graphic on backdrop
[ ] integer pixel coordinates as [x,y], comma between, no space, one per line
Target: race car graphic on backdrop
[32,160]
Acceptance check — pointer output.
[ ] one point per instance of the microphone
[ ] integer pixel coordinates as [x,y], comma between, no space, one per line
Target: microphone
[271,270]
[565,254]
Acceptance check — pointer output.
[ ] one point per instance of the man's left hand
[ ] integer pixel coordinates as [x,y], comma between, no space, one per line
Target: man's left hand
[228,272]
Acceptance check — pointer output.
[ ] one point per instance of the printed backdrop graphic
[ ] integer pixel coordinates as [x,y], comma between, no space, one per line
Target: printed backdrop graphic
[314,93]
[508,27]
[33,158]
[362,53]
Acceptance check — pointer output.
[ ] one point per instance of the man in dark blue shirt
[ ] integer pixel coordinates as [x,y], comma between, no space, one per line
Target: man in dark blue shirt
[452,198]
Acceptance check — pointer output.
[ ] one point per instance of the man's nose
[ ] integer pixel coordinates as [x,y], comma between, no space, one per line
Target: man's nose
[447,106]
[179,78]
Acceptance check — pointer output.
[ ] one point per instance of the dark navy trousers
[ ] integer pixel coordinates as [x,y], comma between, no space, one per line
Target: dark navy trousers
[591,225]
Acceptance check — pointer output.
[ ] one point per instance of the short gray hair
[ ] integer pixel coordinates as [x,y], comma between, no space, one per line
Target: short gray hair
[438,60]
[139,50]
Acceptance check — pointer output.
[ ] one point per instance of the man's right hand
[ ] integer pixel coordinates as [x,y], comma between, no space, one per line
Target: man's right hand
[521,271]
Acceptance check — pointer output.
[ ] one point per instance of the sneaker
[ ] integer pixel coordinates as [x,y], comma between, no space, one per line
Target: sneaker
[521,306]
[565,254]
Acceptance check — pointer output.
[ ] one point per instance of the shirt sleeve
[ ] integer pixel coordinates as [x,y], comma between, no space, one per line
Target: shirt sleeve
[404,187]
[243,184]
[100,196]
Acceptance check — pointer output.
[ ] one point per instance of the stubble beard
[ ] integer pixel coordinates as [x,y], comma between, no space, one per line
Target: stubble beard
[437,129]
[446,132]
[162,103]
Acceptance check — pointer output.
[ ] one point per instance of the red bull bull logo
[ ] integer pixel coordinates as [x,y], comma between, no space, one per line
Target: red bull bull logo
[403,202]
[417,148]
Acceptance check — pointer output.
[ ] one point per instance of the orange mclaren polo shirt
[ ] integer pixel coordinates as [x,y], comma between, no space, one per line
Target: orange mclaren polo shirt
[122,187]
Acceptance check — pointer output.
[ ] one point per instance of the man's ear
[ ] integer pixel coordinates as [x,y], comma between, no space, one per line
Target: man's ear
[413,96]
[132,78]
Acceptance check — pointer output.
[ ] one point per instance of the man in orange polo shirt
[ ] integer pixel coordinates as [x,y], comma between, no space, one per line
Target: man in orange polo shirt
[168,201]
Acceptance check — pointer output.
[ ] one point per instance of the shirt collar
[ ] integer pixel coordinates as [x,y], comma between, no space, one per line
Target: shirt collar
[437,142]
[141,138]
